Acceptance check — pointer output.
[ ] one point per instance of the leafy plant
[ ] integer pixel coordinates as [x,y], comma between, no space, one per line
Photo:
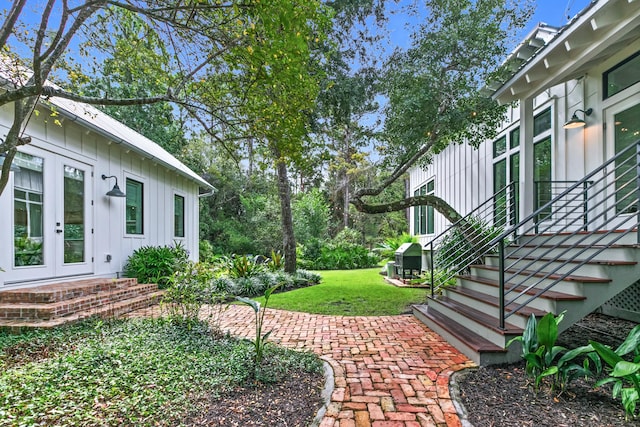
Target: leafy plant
[260,339]
[464,245]
[390,245]
[189,289]
[27,251]
[622,372]
[243,266]
[276,262]
[538,346]
[156,264]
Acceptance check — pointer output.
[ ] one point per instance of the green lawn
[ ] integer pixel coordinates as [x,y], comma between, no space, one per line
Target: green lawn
[350,293]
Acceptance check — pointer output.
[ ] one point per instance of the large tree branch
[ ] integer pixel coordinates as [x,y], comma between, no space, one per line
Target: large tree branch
[426,200]
[397,173]
[51,92]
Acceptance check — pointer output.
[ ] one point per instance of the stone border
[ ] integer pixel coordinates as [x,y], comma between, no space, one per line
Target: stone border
[329,382]
[454,392]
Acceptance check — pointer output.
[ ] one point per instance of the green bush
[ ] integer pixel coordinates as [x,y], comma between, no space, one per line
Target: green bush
[156,264]
[337,256]
[388,248]
[465,245]
[206,253]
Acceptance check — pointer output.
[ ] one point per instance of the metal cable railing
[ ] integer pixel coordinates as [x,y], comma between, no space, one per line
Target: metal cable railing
[466,239]
[576,226]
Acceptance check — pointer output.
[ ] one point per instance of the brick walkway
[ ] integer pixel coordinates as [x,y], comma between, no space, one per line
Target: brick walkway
[389,371]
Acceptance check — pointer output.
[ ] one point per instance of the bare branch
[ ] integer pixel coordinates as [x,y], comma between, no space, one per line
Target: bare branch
[10,22]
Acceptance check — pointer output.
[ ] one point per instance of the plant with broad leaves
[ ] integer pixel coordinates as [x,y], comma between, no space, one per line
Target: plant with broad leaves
[624,374]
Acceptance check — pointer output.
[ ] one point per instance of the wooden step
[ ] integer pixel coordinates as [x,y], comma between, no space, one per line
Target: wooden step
[551,276]
[553,295]
[494,301]
[105,311]
[474,346]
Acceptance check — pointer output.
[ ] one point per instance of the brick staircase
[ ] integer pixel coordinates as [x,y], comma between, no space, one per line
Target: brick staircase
[47,306]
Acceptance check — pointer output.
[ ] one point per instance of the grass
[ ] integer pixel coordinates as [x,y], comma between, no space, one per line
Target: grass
[134,372]
[349,293]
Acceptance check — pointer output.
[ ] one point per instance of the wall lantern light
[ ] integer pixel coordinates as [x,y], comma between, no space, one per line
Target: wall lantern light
[575,122]
[115,191]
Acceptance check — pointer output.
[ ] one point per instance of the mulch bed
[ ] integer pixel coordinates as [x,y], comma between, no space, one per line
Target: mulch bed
[290,403]
[503,395]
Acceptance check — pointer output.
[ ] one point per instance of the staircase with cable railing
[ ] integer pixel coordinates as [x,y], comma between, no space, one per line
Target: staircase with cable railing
[574,253]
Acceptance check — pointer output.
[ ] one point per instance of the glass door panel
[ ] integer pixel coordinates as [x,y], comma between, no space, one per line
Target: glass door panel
[627,132]
[74,215]
[28,220]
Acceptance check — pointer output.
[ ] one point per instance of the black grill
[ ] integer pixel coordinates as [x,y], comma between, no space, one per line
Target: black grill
[408,259]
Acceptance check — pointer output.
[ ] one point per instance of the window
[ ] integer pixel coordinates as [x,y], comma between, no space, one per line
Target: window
[542,122]
[178,216]
[621,76]
[506,157]
[134,207]
[542,175]
[423,216]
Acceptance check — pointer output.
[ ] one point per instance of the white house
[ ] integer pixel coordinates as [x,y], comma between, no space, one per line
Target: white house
[576,95]
[60,218]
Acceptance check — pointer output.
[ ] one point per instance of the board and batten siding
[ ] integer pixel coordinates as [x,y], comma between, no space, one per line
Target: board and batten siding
[59,138]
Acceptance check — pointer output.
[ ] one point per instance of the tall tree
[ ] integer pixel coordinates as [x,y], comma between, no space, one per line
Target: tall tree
[435,89]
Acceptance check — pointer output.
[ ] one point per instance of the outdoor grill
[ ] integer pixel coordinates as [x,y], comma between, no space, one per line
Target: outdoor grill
[408,258]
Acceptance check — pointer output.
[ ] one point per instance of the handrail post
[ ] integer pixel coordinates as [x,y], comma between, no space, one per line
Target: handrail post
[501,280]
[536,204]
[585,204]
[433,285]
[638,190]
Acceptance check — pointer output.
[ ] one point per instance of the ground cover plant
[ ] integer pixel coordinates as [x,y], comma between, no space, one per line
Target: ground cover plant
[149,372]
[350,293]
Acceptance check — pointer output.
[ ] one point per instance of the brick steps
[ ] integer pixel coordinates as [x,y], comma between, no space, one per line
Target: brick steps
[53,305]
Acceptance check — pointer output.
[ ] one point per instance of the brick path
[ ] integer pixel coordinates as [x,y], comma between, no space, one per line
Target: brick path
[389,371]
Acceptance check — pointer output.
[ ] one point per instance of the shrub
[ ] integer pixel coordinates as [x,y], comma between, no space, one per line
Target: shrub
[189,289]
[342,256]
[205,249]
[464,245]
[388,248]
[156,264]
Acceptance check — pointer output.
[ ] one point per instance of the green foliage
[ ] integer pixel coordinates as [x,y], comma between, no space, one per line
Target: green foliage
[390,245]
[260,340]
[338,256]
[27,251]
[310,216]
[189,289]
[136,372]
[538,347]
[242,266]
[623,374]
[464,245]
[276,262]
[205,251]
[156,264]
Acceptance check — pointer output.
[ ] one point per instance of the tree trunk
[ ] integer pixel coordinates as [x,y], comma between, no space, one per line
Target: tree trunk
[289,239]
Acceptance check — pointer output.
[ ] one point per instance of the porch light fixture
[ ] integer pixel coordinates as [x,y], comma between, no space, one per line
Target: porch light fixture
[575,122]
[13,168]
[115,191]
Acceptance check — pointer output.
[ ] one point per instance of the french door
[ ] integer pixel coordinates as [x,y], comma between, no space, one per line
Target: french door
[52,217]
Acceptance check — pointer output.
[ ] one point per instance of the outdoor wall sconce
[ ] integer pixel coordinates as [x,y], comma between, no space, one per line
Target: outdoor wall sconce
[13,168]
[115,191]
[575,122]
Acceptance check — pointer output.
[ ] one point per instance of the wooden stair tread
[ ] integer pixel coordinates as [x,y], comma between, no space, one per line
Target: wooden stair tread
[553,276]
[478,316]
[494,301]
[573,261]
[578,246]
[476,342]
[553,295]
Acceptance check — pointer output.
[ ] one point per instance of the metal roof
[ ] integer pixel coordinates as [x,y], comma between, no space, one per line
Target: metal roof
[593,35]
